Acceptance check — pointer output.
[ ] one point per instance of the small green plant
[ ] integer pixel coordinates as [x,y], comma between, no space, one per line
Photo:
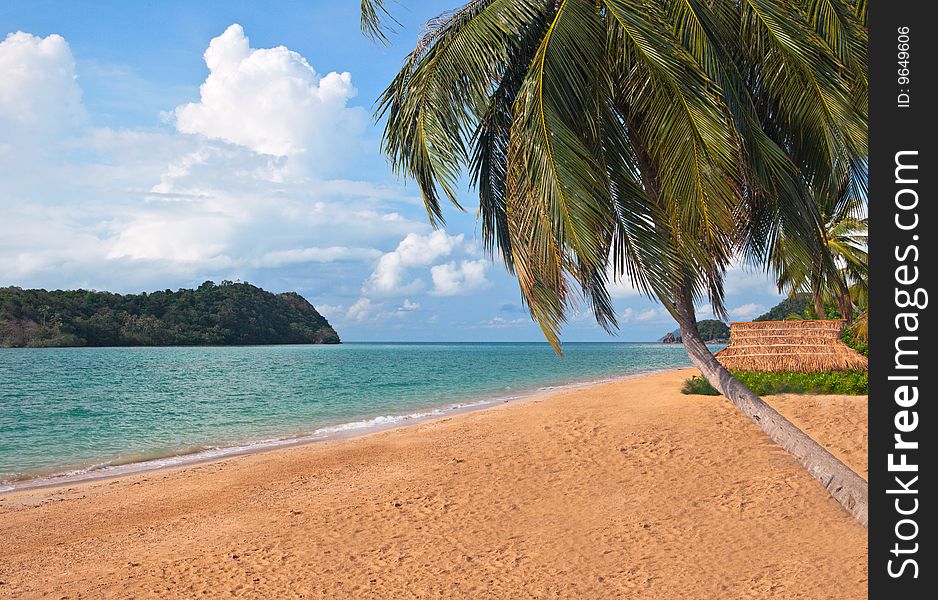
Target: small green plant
[854,383]
[699,386]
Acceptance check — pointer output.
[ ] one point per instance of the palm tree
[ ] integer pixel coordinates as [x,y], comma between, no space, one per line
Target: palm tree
[844,243]
[653,140]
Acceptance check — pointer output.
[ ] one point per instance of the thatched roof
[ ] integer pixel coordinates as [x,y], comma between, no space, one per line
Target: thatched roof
[805,346]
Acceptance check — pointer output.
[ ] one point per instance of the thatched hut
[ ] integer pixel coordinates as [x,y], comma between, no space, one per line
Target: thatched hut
[805,346]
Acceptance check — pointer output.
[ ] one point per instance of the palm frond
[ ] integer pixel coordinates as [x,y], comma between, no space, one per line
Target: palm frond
[374,20]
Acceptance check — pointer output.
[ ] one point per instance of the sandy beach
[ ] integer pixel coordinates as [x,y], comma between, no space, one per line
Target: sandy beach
[618,490]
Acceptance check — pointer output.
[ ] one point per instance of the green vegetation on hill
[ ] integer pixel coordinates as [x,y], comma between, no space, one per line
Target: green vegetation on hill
[855,383]
[711,330]
[794,306]
[225,314]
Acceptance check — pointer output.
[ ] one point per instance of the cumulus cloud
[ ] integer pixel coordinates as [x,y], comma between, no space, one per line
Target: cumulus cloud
[361,310]
[39,92]
[415,250]
[739,279]
[195,238]
[402,271]
[131,209]
[747,311]
[272,101]
[451,279]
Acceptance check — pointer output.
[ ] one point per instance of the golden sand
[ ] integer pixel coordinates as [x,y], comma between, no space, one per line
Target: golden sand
[619,490]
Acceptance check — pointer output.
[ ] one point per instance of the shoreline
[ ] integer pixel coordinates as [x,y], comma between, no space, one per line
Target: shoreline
[340,431]
[622,489]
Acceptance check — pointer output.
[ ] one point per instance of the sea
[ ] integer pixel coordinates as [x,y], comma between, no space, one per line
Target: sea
[78,413]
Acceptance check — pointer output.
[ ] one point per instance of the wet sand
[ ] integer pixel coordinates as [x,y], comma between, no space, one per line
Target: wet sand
[626,489]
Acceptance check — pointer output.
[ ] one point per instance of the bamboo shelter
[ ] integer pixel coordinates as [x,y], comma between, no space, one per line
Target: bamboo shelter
[804,346]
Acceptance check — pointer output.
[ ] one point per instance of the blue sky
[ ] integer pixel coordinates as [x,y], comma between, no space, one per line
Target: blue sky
[150,145]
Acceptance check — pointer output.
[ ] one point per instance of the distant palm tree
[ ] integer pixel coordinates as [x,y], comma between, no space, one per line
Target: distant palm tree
[653,140]
[844,241]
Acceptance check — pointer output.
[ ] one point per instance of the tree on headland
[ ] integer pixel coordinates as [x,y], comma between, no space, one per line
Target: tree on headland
[653,141]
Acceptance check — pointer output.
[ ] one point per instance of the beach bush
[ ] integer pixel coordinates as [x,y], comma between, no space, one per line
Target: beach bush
[855,383]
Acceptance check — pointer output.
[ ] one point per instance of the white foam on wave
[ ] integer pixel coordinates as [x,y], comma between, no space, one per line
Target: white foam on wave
[204,454]
[386,421]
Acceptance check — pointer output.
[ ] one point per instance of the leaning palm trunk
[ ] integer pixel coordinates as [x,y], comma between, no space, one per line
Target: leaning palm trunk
[845,485]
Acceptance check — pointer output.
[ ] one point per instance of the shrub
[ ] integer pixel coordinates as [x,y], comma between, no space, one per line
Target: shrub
[699,386]
[853,338]
[855,383]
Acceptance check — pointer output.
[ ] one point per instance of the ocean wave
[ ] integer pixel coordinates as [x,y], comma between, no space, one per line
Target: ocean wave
[137,463]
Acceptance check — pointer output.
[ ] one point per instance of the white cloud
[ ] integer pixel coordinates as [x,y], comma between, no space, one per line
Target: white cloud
[132,209]
[194,238]
[415,250]
[366,310]
[279,258]
[452,280]
[39,92]
[652,314]
[409,306]
[361,310]
[498,322]
[747,311]
[398,273]
[272,101]
[330,311]
[627,315]
[622,287]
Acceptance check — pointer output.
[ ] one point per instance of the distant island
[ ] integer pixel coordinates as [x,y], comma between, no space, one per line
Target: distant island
[227,314]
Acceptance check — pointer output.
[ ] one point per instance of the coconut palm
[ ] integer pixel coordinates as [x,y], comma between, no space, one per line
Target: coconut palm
[647,140]
[844,242]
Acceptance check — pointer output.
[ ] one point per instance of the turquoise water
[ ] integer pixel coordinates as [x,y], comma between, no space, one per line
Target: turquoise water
[80,409]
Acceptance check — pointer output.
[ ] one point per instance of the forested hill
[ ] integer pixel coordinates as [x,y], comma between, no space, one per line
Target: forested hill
[225,314]
[793,307]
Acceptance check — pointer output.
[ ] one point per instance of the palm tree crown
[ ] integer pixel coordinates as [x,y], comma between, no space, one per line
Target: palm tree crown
[647,140]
